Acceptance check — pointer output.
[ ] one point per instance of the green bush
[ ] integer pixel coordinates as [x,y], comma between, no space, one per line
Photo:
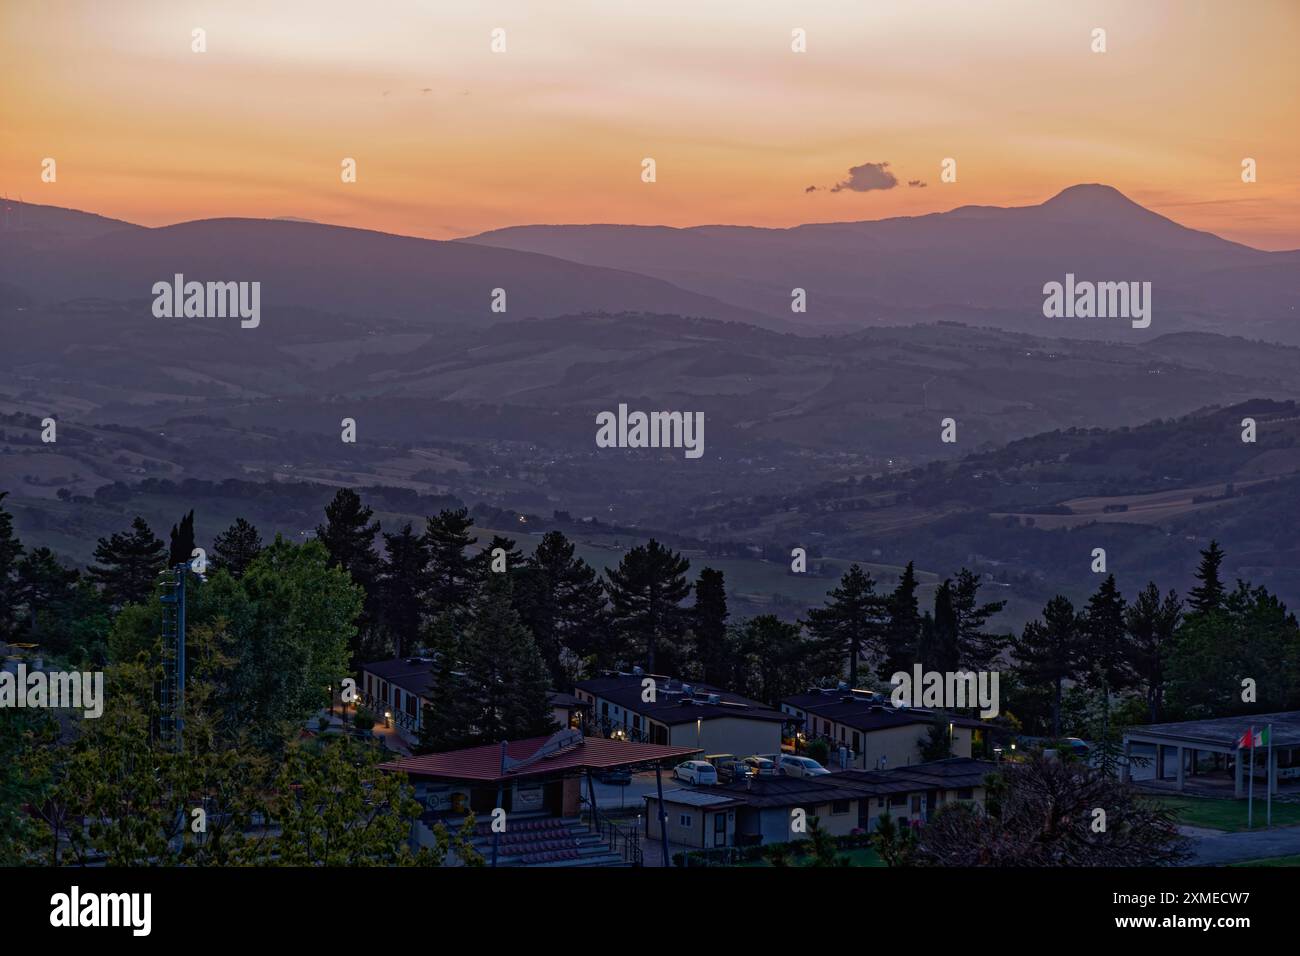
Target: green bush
[363,719]
[819,750]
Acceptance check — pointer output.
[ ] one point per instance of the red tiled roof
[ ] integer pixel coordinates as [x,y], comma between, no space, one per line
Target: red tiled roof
[484,763]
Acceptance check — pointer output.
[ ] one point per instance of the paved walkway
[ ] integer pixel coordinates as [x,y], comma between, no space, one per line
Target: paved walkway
[1214,847]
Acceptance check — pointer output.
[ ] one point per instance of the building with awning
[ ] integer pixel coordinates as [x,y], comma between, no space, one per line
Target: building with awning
[537,781]
[1209,754]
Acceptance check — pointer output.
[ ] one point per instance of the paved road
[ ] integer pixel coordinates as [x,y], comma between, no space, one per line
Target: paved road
[1214,847]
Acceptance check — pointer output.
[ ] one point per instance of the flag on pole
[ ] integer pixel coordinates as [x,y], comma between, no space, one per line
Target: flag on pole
[1268,776]
[1261,737]
[1249,740]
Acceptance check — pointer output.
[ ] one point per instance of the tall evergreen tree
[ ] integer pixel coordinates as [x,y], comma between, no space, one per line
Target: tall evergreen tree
[902,626]
[976,648]
[1152,624]
[129,564]
[773,658]
[448,719]
[499,553]
[236,548]
[11,550]
[453,572]
[349,538]
[403,581]
[1208,595]
[45,588]
[853,621]
[1109,668]
[938,649]
[182,541]
[709,623]
[507,679]
[562,602]
[1050,652]
[646,591]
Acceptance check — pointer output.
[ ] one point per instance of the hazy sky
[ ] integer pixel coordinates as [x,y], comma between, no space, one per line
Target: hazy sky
[452,139]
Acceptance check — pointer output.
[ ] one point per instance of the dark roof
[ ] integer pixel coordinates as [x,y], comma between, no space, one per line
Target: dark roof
[862,713]
[560,699]
[483,764]
[672,706]
[412,674]
[776,791]
[1226,731]
[950,774]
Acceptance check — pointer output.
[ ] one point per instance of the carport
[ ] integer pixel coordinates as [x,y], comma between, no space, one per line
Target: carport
[1181,745]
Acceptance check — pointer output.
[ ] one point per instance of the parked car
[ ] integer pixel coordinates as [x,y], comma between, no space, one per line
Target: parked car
[1079,747]
[619,777]
[696,771]
[733,768]
[791,766]
[762,766]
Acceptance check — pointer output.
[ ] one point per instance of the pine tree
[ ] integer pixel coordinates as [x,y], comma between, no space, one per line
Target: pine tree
[182,541]
[1049,652]
[1208,595]
[709,623]
[646,591]
[938,649]
[1108,668]
[853,621]
[129,564]
[349,538]
[562,602]
[453,573]
[507,679]
[902,626]
[45,589]
[1152,625]
[510,557]
[773,659]
[448,719]
[236,548]
[403,580]
[976,649]
[11,550]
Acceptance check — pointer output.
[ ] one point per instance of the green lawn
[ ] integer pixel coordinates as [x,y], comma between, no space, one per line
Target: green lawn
[1229,815]
[1271,861]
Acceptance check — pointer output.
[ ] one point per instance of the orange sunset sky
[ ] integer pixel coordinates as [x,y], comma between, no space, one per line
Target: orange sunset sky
[452,139]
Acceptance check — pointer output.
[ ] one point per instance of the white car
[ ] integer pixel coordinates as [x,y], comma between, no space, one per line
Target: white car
[696,771]
[792,766]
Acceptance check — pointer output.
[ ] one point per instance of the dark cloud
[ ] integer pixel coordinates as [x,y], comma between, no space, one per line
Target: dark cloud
[867,177]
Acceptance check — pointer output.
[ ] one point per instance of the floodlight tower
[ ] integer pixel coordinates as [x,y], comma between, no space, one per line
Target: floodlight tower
[171,724]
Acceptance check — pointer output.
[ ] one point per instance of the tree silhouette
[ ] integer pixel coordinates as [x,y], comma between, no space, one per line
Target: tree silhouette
[852,622]
[709,623]
[129,564]
[1050,651]
[236,548]
[646,591]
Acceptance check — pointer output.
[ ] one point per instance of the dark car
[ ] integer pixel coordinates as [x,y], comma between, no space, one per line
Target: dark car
[618,777]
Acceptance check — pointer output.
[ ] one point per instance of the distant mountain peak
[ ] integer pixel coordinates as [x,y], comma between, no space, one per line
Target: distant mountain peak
[1092,197]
